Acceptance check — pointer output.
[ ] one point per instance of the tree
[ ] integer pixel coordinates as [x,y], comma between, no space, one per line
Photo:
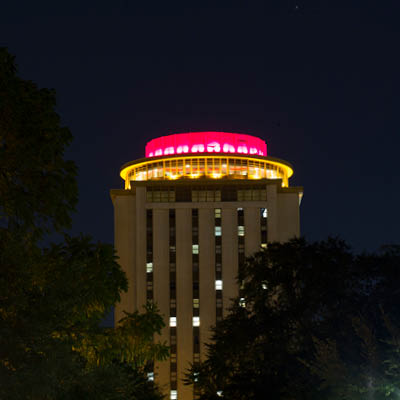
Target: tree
[53,298]
[307,325]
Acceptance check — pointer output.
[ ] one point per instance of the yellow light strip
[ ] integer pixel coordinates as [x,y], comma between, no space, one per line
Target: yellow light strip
[215,173]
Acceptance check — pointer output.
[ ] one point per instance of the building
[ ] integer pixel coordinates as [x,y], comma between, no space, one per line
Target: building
[190,213]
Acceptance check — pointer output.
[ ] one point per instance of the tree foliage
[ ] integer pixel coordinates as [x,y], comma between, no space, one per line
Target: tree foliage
[52,299]
[311,322]
[38,189]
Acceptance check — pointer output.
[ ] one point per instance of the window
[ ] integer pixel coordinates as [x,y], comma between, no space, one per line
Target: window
[240,230]
[172,321]
[218,231]
[242,302]
[264,213]
[173,395]
[195,249]
[196,303]
[149,267]
[217,213]
[264,245]
[218,285]
[196,321]
[150,376]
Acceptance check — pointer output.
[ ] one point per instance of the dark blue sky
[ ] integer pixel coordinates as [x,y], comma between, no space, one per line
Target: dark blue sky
[317,80]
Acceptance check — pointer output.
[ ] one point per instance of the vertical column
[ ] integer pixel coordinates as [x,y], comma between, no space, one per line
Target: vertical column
[272,206]
[252,229]
[289,215]
[161,285]
[264,226]
[229,256]
[140,281]
[184,298]
[207,276]
[125,237]
[172,309]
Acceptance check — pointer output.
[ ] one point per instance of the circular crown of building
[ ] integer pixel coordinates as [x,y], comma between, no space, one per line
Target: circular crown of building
[206,142]
[213,155]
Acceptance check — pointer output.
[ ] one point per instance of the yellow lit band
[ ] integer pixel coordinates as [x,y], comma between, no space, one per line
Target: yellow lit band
[215,167]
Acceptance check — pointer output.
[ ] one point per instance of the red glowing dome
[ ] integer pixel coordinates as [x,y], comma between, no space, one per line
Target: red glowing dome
[206,142]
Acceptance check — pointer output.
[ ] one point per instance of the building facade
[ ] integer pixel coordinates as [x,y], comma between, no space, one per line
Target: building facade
[191,211]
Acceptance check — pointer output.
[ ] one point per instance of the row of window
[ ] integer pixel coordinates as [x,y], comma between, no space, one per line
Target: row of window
[195,264]
[168,194]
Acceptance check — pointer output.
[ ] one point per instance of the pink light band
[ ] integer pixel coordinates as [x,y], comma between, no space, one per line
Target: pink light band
[206,142]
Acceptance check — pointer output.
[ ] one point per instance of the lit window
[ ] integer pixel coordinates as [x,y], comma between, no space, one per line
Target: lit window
[198,148]
[149,267]
[217,213]
[218,285]
[213,147]
[219,393]
[173,395]
[242,302]
[240,230]
[240,209]
[196,321]
[264,245]
[196,303]
[150,376]
[264,285]
[169,150]
[218,231]
[196,377]
[172,321]
[195,249]
[264,213]
[172,249]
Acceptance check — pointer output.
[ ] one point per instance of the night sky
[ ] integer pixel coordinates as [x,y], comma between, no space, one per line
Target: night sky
[317,80]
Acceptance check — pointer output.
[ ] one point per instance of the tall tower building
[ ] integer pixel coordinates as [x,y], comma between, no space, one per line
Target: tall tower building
[191,211]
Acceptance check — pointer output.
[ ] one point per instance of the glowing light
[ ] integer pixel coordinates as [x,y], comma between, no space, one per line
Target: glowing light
[215,166]
[209,142]
[213,147]
[198,148]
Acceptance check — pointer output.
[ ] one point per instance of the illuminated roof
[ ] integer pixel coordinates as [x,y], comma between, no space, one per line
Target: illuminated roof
[209,155]
[206,142]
